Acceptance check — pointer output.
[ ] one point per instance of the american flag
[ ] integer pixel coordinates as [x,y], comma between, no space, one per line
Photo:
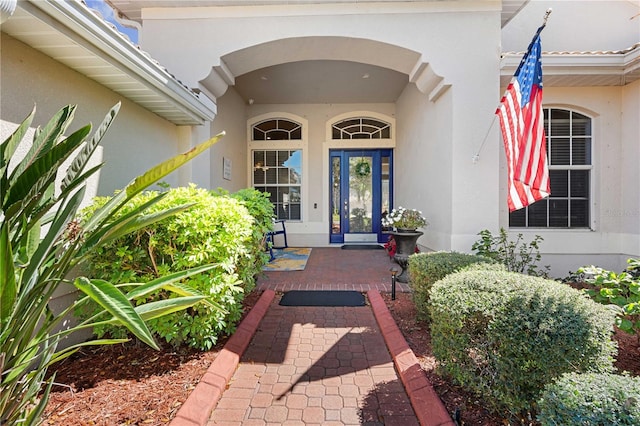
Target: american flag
[522,124]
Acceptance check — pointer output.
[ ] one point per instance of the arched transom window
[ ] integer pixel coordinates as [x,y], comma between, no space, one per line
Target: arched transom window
[361,128]
[277,129]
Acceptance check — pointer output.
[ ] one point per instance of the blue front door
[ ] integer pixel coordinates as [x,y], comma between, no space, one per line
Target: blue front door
[361,190]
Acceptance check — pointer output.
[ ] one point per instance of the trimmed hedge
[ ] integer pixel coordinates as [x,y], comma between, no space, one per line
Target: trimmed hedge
[591,399]
[218,229]
[427,268]
[506,335]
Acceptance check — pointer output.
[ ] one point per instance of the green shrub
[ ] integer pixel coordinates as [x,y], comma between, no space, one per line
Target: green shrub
[261,209]
[217,229]
[621,290]
[516,255]
[427,268]
[506,335]
[591,399]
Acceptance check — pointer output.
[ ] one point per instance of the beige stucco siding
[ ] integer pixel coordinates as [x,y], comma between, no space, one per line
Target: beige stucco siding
[137,139]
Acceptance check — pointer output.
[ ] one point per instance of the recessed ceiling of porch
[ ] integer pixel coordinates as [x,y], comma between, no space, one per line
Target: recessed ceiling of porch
[321,81]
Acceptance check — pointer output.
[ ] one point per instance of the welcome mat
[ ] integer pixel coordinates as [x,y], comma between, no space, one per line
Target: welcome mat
[322,298]
[361,247]
[288,259]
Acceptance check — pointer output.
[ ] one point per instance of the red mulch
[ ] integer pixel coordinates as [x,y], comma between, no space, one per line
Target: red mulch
[133,384]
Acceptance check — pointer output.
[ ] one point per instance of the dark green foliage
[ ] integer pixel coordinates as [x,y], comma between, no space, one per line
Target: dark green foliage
[591,400]
[427,268]
[516,255]
[42,243]
[217,229]
[261,209]
[621,290]
[505,335]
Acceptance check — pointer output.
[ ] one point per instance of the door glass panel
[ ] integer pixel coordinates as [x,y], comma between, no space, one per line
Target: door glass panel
[360,194]
[335,195]
[385,177]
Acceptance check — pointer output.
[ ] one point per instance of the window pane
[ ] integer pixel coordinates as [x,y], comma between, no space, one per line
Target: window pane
[295,175]
[559,125]
[538,214]
[270,176]
[296,134]
[258,177]
[579,214]
[558,213]
[580,183]
[283,156]
[258,158]
[559,183]
[518,218]
[295,159]
[294,212]
[270,158]
[273,193]
[581,152]
[560,149]
[287,125]
[278,135]
[580,125]
[283,175]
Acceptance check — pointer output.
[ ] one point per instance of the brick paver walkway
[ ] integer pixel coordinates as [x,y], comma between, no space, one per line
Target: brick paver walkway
[318,366]
[315,366]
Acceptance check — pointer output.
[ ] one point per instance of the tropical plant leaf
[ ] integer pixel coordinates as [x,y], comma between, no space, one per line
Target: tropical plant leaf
[160,308]
[8,288]
[161,170]
[45,138]
[113,301]
[9,146]
[47,161]
[83,157]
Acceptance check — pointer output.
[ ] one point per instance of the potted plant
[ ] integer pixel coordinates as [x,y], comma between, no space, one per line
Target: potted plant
[404,220]
[404,236]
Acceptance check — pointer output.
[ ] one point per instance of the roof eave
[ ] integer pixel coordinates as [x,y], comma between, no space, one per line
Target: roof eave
[622,67]
[78,23]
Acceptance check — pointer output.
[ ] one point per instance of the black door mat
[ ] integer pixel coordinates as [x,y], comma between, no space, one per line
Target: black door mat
[322,298]
[361,247]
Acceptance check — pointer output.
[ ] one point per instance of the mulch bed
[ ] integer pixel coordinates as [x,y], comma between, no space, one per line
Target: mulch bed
[132,384]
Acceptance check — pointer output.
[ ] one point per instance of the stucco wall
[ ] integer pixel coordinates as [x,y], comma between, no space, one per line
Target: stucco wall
[137,139]
[629,214]
[232,120]
[575,25]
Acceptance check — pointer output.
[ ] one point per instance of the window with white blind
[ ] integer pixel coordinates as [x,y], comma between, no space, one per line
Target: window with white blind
[569,148]
[278,170]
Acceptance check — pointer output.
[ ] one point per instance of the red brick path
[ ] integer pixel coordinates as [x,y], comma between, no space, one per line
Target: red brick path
[318,366]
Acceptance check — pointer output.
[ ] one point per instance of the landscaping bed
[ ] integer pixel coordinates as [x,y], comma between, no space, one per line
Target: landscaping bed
[133,384]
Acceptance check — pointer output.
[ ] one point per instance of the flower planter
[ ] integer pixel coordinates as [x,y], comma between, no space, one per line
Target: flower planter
[405,247]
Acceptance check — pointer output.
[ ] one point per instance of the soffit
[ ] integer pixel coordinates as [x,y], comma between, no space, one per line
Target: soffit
[581,69]
[72,34]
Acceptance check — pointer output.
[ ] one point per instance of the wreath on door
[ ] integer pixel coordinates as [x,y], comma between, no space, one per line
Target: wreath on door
[363,168]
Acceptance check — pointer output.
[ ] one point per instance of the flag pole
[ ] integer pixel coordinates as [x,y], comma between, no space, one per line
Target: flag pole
[476,156]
